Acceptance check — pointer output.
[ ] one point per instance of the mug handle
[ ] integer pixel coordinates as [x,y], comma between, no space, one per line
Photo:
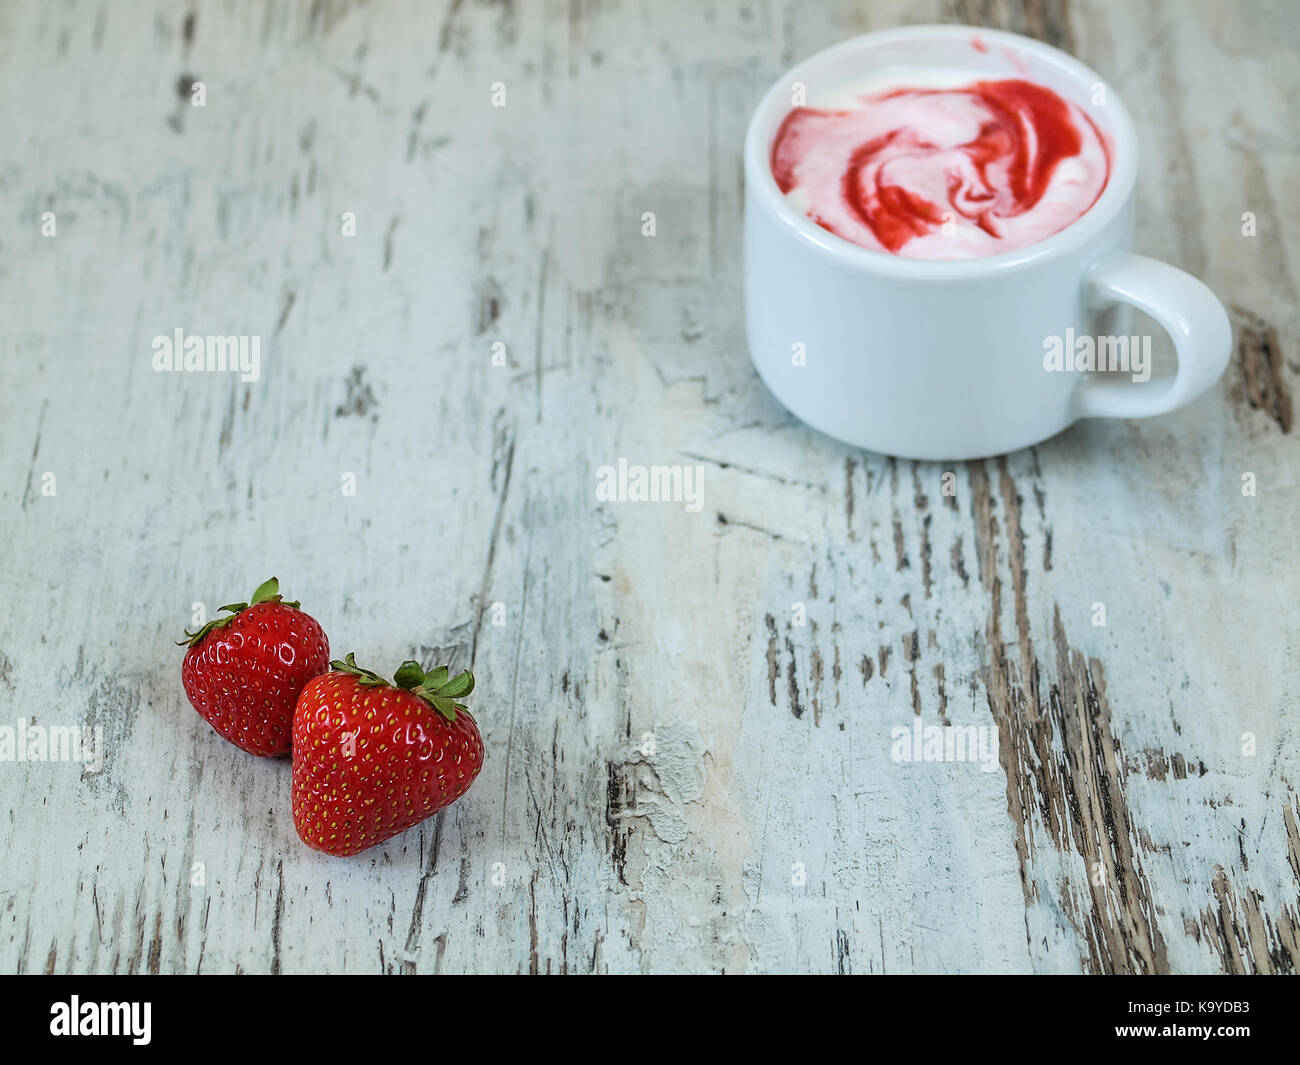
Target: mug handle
[1187,310]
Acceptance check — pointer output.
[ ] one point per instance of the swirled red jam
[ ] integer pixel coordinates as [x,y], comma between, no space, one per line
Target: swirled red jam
[949,172]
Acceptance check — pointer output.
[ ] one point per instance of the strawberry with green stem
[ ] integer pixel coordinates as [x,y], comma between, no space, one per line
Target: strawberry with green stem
[243,672]
[372,757]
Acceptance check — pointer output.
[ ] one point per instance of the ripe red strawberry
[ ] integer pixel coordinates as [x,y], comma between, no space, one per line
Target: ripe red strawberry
[372,758]
[243,673]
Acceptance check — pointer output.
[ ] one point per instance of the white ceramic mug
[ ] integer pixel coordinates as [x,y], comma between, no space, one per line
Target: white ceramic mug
[945,360]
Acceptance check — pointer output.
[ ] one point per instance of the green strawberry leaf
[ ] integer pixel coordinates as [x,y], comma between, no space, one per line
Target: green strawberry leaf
[433,688]
[409,675]
[444,706]
[364,676]
[459,686]
[267,592]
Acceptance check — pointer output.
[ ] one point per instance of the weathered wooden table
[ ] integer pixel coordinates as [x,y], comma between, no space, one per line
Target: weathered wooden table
[690,714]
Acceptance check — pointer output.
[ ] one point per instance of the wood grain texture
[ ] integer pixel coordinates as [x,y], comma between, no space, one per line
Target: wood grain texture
[680,775]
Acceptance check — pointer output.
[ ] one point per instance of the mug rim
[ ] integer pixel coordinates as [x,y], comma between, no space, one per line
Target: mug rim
[1119,186]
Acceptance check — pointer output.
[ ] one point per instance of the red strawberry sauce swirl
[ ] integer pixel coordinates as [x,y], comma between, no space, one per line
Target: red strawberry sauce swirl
[943,173]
